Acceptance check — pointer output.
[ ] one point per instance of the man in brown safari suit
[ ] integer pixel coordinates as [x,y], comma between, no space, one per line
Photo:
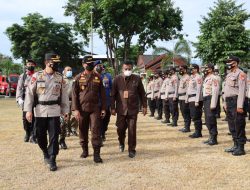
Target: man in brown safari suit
[126,92]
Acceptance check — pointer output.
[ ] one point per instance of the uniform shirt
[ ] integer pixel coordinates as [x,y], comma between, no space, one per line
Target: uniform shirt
[235,85]
[150,89]
[211,88]
[183,85]
[22,86]
[164,87]
[107,83]
[248,89]
[157,87]
[194,88]
[133,88]
[88,93]
[173,86]
[69,82]
[47,88]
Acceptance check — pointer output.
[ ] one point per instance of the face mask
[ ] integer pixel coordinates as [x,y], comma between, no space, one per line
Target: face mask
[31,68]
[181,72]
[90,67]
[127,73]
[205,72]
[54,66]
[69,74]
[230,66]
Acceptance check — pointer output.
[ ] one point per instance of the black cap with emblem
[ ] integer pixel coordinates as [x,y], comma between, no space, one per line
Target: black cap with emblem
[52,56]
[232,58]
[88,59]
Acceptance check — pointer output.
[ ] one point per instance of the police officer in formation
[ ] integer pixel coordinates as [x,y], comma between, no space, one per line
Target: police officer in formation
[157,95]
[234,95]
[150,95]
[211,89]
[22,85]
[47,93]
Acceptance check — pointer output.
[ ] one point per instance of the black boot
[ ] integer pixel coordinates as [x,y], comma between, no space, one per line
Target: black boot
[46,157]
[164,121]
[158,118]
[196,134]
[239,151]
[233,148]
[62,143]
[97,158]
[132,154]
[213,141]
[27,136]
[121,147]
[85,152]
[52,163]
[208,140]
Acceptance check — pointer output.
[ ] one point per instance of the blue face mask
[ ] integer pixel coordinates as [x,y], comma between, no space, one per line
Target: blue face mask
[69,74]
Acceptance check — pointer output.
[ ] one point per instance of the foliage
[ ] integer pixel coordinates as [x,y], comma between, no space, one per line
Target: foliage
[8,66]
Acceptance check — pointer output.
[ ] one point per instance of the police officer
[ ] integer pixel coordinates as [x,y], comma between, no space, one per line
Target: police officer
[88,91]
[218,107]
[182,92]
[165,101]
[234,93]
[47,91]
[150,95]
[69,125]
[157,96]
[173,95]
[248,97]
[22,85]
[194,98]
[211,89]
[107,83]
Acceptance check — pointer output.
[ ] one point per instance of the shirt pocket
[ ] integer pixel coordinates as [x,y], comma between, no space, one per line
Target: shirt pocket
[40,88]
[232,81]
[56,89]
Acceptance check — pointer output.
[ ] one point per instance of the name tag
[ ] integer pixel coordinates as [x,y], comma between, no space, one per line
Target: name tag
[125,94]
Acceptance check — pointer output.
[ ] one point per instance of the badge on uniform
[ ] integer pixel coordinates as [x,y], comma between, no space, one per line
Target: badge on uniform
[83,87]
[125,94]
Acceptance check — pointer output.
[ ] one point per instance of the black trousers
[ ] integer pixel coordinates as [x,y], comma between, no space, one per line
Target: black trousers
[236,121]
[218,107]
[248,108]
[52,126]
[159,107]
[29,127]
[185,111]
[166,109]
[210,117]
[152,106]
[105,122]
[173,106]
[196,114]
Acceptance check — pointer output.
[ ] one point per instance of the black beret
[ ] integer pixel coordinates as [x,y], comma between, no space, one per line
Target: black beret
[52,56]
[232,58]
[171,68]
[88,59]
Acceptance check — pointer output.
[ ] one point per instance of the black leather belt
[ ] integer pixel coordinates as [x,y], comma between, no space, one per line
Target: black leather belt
[207,98]
[48,103]
[191,95]
[156,91]
[171,93]
[233,98]
[162,93]
[182,94]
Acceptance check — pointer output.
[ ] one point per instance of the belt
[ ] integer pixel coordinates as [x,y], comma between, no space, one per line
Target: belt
[231,98]
[45,103]
[156,91]
[162,93]
[171,92]
[149,93]
[207,98]
[191,95]
[182,94]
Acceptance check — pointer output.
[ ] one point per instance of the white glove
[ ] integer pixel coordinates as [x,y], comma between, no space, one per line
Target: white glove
[20,102]
[196,104]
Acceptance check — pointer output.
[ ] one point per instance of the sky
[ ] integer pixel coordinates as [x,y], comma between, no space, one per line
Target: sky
[11,11]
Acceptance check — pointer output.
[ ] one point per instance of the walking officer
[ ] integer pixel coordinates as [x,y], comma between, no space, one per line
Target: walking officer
[89,105]
[173,96]
[211,92]
[22,85]
[47,91]
[182,91]
[194,98]
[234,93]
[157,96]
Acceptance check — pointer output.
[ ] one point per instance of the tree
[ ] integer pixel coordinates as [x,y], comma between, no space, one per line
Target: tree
[8,66]
[118,21]
[181,50]
[39,35]
[223,33]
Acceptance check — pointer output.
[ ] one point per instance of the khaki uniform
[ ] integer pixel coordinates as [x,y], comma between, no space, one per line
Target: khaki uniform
[164,97]
[211,89]
[150,97]
[48,94]
[234,94]
[157,96]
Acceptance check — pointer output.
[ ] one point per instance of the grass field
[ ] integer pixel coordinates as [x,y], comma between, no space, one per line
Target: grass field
[166,159]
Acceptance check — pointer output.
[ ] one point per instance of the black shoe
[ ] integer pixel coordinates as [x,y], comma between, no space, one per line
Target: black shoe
[207,141]
[132,154]
[174,125]
[121,147]
[85,152]
[52,163]
[239,151]
[229,133]
[185,130]
[158,118]
[151,115]
[97,158]
[26,138]
[46,157]
[195,135]
[164,121]
[232,149]
[63,144]
[213,141]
